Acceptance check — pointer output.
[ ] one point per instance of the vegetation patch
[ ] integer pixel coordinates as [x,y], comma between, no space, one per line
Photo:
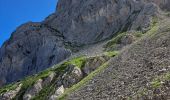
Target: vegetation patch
[117,40]
[9,88]
[111,53]
[78,62]
[30,80]
[157,82]
[137,34]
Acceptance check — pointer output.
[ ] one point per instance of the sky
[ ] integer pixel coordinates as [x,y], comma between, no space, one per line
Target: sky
[16,12]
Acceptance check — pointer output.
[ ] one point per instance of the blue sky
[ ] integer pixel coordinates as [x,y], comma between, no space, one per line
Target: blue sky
[16,12]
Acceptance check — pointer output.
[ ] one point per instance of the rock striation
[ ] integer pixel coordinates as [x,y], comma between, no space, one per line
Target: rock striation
[90,21]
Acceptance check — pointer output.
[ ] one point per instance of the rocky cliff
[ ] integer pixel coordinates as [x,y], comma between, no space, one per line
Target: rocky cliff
[34,47]
[82,39]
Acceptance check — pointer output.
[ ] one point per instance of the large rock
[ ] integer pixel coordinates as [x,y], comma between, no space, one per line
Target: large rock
[59,91]
[32,48]
[11,94]
[90,21]
[92,64]
[32,91]
[72,76]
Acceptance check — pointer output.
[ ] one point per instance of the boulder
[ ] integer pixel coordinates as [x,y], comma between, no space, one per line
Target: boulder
[72,76]
[92,64]
[59,91]
[33,90]
[49,79]
[10,94]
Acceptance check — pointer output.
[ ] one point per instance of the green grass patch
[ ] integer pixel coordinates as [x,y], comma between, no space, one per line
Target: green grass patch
[111,53]
[153,27]
[78,62]
[156,83]
[9,87]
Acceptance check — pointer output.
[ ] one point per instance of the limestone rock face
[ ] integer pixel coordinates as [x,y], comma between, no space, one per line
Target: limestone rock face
[90,21]
[34,47]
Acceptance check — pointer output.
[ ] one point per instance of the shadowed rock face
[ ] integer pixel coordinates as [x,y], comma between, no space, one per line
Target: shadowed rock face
[34,47]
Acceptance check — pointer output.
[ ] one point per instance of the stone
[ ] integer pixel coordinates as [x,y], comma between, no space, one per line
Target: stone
[127,39]
[33,90]
[49,79]
[92,64]
[59,91]
[72,76]
[10,94]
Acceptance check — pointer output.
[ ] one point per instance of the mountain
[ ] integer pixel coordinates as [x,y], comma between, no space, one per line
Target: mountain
[90,49]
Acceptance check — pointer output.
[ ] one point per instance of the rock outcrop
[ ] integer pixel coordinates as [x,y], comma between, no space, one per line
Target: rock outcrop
[33,47]
[38,86]
[11,94]
[52,83]
[59,91]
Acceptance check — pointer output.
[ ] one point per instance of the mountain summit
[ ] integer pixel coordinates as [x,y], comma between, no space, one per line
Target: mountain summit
[90,49]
